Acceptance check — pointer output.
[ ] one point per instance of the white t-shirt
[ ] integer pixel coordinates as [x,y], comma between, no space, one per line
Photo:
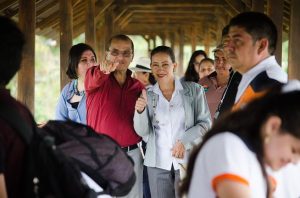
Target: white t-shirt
[225,156]
[288,181]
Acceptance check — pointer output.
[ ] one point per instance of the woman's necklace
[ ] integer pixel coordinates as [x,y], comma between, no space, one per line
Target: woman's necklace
[77,92]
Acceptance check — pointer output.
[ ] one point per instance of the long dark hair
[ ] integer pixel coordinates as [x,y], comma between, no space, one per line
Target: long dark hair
[74,57]
[190,73]
[246,123]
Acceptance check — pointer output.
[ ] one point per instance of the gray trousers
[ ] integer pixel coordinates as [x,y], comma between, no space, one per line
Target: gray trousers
[163,183]
[137,189]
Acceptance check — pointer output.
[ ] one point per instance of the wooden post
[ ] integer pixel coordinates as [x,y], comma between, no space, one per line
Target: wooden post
[100,43]
[146,37]
[163,38]
[168,39]
[181,52]
[294,42]
[90,24]
[149,46]
[275,11]
[206,42]
[175,46]
[108,26]
[66,36]
[154,41]
[193,38]
[26,79]
[258,5]
[104,33]
[172,41]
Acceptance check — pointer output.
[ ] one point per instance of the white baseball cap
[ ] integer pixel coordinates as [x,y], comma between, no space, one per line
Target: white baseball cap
[142,65]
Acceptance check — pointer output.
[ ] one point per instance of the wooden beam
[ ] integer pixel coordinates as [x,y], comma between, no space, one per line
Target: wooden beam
[46,8]
[294,42]
[66,36]
[258,6]
[6,4]
[173,3]
[171,10]
[26,77]
[125,20]
[51,20]
[237,5]
[101,7]
[75,2]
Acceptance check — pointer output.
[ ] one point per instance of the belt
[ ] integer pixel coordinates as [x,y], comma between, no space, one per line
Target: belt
[129,148]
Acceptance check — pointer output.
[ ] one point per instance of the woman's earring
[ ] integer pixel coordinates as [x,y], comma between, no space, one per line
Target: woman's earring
[266,139]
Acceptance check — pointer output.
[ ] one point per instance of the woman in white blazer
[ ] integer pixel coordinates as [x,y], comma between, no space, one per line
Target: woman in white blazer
[173,115]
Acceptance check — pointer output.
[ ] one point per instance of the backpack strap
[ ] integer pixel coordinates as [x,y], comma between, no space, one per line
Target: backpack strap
[14,119]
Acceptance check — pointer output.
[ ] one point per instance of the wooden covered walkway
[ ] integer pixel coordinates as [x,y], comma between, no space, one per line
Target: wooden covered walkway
[176,22]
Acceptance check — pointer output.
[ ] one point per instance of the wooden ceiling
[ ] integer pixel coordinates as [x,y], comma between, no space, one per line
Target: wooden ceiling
[200,19]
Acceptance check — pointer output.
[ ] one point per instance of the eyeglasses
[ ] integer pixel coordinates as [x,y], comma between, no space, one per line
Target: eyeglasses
[116,53]
[164,66]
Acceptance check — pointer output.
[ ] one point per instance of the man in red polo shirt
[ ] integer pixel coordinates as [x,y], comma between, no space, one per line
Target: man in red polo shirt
[111,94]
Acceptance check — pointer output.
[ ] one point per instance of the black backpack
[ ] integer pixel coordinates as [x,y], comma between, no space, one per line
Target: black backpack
[48,171]
[59,150]
[97,155]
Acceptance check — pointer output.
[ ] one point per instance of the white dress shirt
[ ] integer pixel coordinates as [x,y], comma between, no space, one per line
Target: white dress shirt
[169,126]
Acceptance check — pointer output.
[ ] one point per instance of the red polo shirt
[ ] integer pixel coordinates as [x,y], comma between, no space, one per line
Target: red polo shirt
[110,107]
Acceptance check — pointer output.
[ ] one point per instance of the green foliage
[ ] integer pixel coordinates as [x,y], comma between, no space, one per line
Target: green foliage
[47,78]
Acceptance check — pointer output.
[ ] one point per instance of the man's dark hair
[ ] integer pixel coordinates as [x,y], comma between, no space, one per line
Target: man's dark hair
[258,25]
[74,58]
[11,47]
[120,37]
[163,49]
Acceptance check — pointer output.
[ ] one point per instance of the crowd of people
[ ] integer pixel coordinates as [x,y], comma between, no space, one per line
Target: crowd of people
[227,128]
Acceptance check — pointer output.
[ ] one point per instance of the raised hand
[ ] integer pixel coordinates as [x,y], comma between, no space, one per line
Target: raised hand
[108,66]
[141,102]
